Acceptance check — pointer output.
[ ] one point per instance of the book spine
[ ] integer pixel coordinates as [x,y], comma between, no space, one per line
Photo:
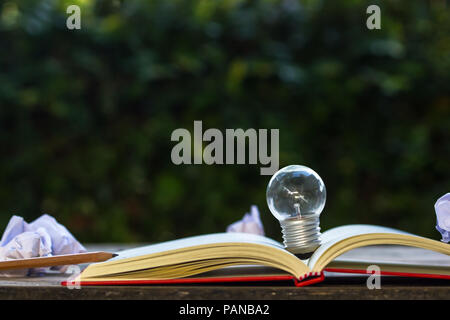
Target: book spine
[309,279]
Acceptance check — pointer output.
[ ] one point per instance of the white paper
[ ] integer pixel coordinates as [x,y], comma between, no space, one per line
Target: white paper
[250,223]
[442,208]
[41,238]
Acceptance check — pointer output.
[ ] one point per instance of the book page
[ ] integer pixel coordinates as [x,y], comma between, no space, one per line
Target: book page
[393,258]
[334,235]
[356,229]
[209,239]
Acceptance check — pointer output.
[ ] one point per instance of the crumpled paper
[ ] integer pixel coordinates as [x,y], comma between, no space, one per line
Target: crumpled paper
[41,238]
[442,208]
[250,223]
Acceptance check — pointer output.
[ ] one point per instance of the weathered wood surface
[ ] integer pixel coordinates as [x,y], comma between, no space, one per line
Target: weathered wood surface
[336,286]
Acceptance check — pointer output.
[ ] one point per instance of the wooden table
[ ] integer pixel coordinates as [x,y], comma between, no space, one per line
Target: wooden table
[336,286]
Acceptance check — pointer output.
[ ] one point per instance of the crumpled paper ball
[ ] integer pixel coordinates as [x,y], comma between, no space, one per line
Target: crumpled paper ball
[41,238]
[442,208]
[250,223]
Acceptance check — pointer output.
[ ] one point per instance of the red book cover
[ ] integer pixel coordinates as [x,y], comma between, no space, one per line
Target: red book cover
[308,279]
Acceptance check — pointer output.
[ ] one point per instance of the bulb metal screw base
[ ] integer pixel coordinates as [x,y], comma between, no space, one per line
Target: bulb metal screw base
[301,235]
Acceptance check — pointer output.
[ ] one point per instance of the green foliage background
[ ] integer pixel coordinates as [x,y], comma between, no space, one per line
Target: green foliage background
[86,115]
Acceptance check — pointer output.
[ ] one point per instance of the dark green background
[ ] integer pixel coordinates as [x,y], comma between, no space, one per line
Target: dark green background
[86,115]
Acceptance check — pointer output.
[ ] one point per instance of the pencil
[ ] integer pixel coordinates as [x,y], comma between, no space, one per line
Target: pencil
[60,260]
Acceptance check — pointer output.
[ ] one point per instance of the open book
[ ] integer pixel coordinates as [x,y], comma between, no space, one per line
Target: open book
[233,257]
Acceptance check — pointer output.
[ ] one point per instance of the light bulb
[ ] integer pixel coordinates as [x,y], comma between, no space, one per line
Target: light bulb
[296,196]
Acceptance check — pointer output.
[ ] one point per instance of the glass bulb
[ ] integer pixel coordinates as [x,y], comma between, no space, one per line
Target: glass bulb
[296,196]
[295,191]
